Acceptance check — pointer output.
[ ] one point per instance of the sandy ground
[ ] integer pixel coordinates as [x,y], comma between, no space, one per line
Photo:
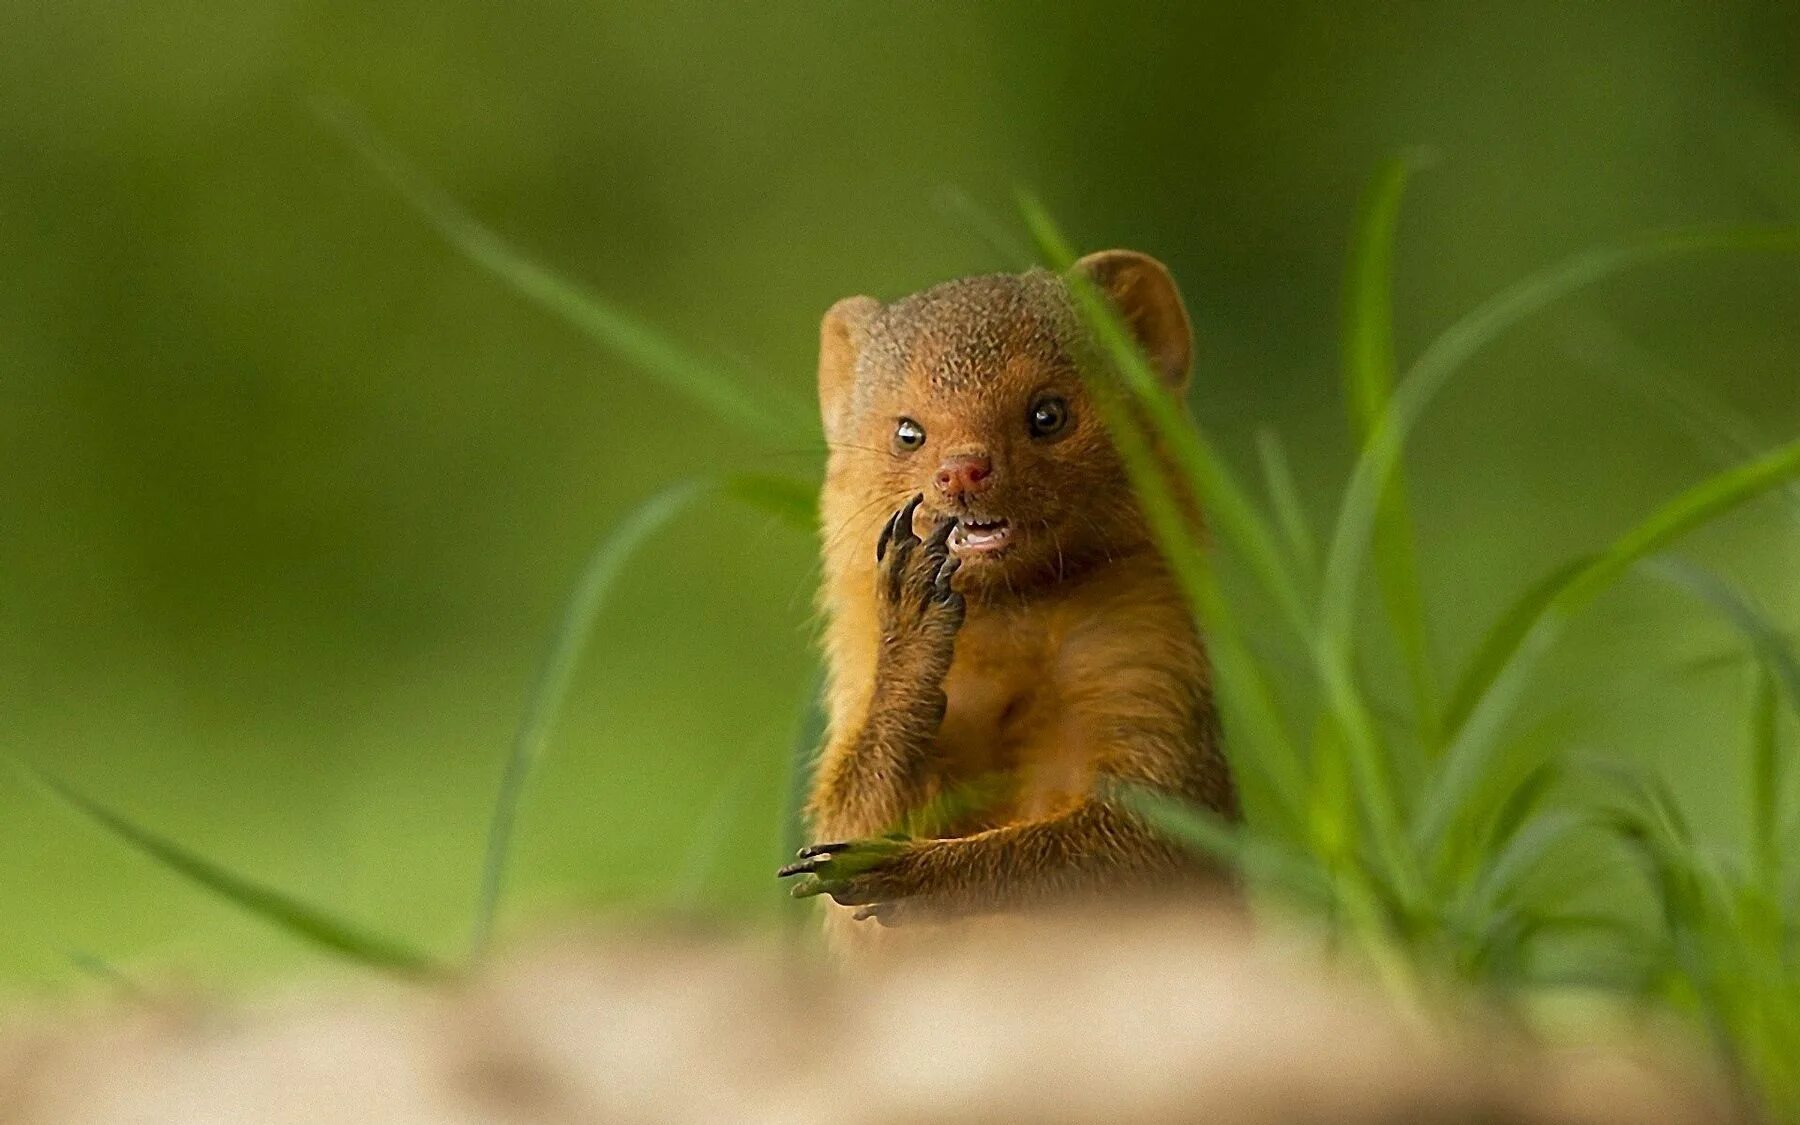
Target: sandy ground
[1145,1019]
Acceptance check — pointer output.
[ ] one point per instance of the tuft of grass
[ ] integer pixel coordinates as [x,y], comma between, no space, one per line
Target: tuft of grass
[1443,846]
[1369,373]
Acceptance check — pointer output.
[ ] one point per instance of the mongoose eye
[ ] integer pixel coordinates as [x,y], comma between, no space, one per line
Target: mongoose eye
[908,436]
[1048,416]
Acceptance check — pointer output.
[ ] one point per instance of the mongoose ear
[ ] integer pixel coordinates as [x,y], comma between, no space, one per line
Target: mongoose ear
[840,341]
[1145,295]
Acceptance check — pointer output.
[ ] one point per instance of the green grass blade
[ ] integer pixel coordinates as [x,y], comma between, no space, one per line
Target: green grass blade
[1515,795]
[1713,425]
[1368,375]
[608,324]
[552,687]
[1228,503]
[1772,644]
[1367,342]
[956,205]
[789,500]
[710,833]
[1200,465]
[1258,858]
[109,974]
[1284,497]
[1764,786]
[1777,669]
[1380,458]
[1259,714]
[283,911]
[793,501]
[1503,639]
[808,740]
[1523,641]
[1535,839]
[1522,802]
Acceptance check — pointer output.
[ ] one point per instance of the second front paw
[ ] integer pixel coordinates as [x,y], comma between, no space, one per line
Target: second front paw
[861,873]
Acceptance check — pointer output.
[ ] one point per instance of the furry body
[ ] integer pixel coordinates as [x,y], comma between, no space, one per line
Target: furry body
[1004,645]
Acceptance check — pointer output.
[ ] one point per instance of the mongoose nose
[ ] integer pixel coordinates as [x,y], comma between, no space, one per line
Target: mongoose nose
[963,476]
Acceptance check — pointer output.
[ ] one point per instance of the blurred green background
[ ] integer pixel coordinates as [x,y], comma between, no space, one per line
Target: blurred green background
[290,494]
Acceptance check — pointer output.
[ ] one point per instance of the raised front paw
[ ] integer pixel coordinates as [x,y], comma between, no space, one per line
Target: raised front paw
[920,612]
[865,873]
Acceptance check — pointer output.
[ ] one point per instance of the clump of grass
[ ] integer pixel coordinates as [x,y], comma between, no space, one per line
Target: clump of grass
[1418,842]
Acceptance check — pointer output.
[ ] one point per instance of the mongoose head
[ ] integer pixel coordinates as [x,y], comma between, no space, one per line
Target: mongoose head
[971,394]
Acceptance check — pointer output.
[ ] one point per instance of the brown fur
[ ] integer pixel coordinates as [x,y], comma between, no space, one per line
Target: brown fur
[1070,660]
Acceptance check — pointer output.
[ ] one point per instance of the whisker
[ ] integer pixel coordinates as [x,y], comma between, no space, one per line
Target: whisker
[831,446]
[1100,535]
[893,500]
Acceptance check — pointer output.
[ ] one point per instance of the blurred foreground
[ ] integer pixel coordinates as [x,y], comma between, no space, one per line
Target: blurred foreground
[1155,1018]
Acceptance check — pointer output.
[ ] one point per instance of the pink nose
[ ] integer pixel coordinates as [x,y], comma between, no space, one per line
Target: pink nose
[963,476]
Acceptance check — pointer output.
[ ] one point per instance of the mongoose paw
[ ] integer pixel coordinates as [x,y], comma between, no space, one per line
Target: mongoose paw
[884,914]
[913,582]
[852,872]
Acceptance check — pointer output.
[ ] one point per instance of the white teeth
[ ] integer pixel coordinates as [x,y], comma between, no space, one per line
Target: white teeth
[977,536]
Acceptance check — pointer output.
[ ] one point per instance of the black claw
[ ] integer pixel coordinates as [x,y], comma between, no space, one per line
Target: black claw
[823,849]
[831,887]
[903,523]
[946,571]
[887,535]
[885,914]
[938,545]
[843,892]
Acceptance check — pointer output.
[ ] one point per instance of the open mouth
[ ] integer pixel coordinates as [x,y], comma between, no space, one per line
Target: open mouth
[980,537]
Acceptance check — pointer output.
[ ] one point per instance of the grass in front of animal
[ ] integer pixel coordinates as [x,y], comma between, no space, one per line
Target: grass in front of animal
[1442,842]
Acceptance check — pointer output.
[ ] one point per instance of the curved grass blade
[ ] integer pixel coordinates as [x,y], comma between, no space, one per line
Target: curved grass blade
[809,737]
[1368,374]
[599,319]
[1228,503]
[1238,520]
[1538,620]
[793,501]
[1777,668]
[1284,497]
[1380,458]
[589,596]
[1770,642]
[711,832]
[1765,786]
[956,205]
[109,974]
[286,913]
[1261,860]
[1154,483]
[1711,424]
[1206,472]
[1535,839]
[1503,639]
